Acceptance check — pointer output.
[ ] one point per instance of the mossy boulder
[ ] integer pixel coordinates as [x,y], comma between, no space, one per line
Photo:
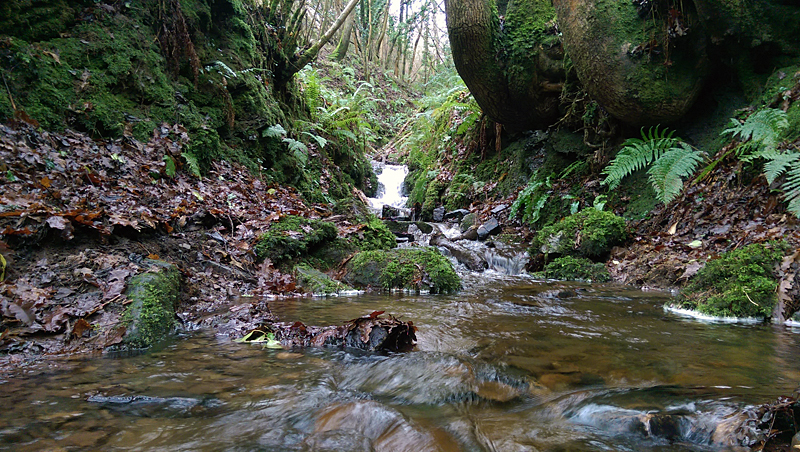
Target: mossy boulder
[150,317]
[740,283]
[314,281]
[643,64]
[568,268]
[406,268]
[292,237]
[590,233]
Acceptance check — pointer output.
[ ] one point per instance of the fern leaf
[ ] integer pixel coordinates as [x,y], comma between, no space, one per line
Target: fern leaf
[762,129]
[320,140]
[778,163]
[276,131]
[791,188]
[298,149]
[667,173]
[191,161]
[638,153]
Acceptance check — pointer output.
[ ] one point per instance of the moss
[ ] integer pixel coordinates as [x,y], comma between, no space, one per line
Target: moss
[570,268]
[292,237]
[374,235]
[151,315]
[432,198]
[406,268]
[316,282]
[589,233]
[459,193]
[740,283]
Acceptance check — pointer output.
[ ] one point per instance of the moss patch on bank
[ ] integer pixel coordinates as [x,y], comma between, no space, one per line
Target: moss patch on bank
[568,268]
[740,283]
[589,233]
[407,268]
[150,317]
[294,236]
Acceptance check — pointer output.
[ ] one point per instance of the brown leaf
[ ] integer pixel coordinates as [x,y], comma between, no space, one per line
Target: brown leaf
[81,326]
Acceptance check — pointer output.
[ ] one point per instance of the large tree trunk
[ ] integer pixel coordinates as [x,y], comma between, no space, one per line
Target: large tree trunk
[344,42]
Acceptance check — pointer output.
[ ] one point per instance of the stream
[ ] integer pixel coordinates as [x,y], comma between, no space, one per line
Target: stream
[508,364]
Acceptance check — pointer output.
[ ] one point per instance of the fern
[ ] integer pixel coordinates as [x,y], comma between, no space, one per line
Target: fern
[276,131]
[792,189]
[760,132]
[298,149]
[638,153]
[531,200]
[778,163]
[667,173]
[194,164]
[320,140]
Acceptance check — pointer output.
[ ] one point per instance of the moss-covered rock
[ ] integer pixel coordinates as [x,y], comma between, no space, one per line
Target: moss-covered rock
[740,283]
[589,233]
[407,268]
[374,235]
[150,317]
[314,281]
[292,237]
[401,227]
[570,268]
[643,63]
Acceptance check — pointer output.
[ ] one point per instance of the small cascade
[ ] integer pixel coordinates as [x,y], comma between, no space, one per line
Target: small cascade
[390,187]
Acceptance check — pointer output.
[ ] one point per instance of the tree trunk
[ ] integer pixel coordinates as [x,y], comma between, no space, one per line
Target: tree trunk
[344,41]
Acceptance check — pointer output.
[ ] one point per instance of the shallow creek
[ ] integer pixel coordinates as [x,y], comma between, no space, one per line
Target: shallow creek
[509,364]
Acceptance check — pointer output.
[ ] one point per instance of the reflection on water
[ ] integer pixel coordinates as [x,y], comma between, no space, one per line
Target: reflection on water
[509,364]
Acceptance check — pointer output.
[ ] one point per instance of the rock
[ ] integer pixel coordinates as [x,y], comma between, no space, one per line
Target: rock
[456,214]
[463,255]
[401,227]
[438,214]
[491,227]
[467,222]
[469,234]
[612,47]
[405,268]
[150,318]
[314,281]
[389,212]
[499,208]
[589,233]
[294,236]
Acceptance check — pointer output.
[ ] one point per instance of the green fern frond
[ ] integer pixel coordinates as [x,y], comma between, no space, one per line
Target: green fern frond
[192,162]
[762,129]
[791,186]
[778,163]
[320,140]
[667,173]
[298,149]
[276,131]
[638,153]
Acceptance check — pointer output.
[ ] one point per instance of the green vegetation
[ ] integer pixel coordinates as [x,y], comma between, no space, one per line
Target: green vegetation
[406,268]
[670,160]
[150,317]
[314,281]
[568,268]
[589,233]
[740,283]
[292,237]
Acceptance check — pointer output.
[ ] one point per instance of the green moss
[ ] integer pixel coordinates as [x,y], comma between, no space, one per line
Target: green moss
[375,236]
[570,268]
[589,233]
[740,283]
[432,198]
[151,315]
[406,268]
[316,282]
[292,237]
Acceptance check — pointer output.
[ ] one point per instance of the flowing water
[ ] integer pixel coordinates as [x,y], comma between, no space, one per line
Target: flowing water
[508,364]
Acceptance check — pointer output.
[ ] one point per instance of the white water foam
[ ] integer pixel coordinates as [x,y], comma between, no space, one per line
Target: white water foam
[391,178]
[710,318]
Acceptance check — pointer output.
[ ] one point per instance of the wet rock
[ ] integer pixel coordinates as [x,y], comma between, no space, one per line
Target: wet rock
[469,234]
[389,212]
[401,227]
[150,318]
[469,258]
[491,227]
[457,214]
[438,214]
[467,222]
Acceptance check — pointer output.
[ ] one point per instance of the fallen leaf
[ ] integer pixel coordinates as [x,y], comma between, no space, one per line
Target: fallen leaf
[81,326]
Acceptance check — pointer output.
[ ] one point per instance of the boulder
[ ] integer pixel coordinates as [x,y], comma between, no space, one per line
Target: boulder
[590,233]
[469,258]
[405,268]
[469,234]
[457,214]
[491,227]
[438,214]
[643,68]
[467,222]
